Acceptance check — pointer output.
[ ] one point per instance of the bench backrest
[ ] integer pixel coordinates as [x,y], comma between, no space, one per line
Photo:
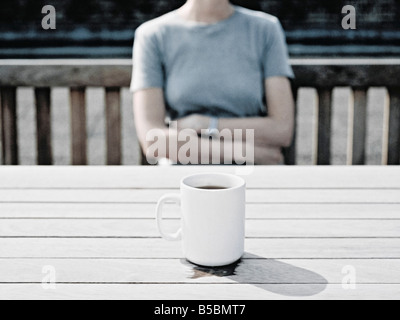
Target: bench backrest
[323,75]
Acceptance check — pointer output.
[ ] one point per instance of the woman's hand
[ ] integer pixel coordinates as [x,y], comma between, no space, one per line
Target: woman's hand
[196,122]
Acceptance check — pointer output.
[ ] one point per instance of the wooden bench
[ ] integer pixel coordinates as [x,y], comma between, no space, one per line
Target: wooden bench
[112,75]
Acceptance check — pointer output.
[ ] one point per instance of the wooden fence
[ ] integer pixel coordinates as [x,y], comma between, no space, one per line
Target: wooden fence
[112,75]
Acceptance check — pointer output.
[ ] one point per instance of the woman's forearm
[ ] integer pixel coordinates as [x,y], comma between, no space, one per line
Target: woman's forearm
[267,131]
[185,147]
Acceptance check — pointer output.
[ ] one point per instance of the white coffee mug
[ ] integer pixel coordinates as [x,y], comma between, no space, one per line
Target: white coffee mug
[213,209]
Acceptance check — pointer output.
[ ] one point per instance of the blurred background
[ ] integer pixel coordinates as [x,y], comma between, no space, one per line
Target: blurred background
[105,28]
[98,29]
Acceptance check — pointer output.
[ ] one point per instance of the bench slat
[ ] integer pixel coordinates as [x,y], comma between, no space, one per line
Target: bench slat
[113,124]
[324,126]
[357,128]
[117,73]
[78,126]
[9,132]
[66,73]
[394,127]
[290,153]
[43,126]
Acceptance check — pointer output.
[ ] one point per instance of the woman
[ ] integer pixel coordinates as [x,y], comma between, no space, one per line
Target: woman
[212,65]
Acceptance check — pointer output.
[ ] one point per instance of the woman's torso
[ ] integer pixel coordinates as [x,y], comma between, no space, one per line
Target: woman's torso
[219,69]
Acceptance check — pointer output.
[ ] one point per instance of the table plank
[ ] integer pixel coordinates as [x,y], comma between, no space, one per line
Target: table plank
[150,177]
[158,248]
[152,196]
[195,292]
[147,228]
[180,271]
[254,211]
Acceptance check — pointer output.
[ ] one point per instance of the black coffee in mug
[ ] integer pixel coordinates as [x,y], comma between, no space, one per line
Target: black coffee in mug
[212,188]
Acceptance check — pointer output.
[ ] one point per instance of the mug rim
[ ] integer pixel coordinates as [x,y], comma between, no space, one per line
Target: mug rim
[241,182]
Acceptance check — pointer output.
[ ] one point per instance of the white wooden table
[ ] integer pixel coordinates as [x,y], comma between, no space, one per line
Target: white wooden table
[311,233]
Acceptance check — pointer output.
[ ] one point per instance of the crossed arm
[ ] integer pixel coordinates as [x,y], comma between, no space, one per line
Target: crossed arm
[271,133]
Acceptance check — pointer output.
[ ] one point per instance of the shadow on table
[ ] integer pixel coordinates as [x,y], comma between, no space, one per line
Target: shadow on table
[267,274]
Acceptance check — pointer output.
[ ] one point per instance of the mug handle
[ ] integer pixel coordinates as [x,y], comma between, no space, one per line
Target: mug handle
[160,205]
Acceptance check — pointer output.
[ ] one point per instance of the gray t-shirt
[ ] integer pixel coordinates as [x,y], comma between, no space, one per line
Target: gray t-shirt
[216,70]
